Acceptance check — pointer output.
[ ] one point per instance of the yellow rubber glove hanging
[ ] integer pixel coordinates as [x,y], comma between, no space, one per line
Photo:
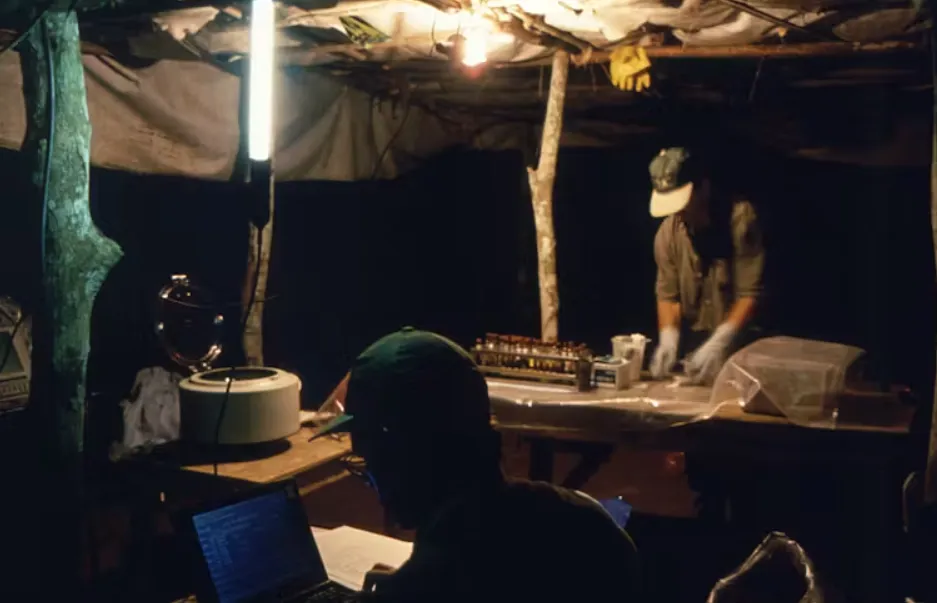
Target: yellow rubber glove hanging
[630,69]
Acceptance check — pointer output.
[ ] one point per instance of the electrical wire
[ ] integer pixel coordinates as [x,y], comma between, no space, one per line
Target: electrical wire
[50,142]
[9,350]
[224,405]
[47,168]
[390,143]
[230,381]
[10,345]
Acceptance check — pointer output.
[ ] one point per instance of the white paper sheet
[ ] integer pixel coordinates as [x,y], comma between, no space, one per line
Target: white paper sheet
[349,553]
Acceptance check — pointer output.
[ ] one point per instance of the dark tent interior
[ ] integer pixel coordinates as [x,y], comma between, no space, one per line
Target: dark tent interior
[450,247]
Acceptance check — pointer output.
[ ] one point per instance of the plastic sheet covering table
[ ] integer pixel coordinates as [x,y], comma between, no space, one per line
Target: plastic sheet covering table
[662,416]
[590,423]
[648,405]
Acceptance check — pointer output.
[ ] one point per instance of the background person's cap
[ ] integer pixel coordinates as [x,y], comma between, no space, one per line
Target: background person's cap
[673,172]
[410,381]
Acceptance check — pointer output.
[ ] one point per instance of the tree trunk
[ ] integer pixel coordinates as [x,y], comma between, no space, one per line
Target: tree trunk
[258,267]
[77,260]
[541,195]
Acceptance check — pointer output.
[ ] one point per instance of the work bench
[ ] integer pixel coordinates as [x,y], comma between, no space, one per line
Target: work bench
[867,458]
[175,476]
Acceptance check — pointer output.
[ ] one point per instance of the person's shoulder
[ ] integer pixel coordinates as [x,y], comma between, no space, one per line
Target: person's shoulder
[580,534]
[521,488]
[562,503]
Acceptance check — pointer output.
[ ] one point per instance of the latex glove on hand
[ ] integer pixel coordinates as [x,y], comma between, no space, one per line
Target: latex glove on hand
[704,364]
[665,356]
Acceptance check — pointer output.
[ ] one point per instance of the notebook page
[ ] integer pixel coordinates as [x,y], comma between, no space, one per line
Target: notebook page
[349,553]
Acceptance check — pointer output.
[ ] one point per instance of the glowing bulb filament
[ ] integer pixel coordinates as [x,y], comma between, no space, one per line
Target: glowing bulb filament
[476,47]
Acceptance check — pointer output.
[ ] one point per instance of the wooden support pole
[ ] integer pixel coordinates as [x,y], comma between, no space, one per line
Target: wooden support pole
[930,475]
[258,268]
[77,260]
[309,56]
[261,176]
[541,196]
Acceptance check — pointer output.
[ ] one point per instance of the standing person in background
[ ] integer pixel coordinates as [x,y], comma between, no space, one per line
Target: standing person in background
[710,262]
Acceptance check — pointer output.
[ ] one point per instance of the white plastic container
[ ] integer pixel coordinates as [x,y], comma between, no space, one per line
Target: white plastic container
[631,348]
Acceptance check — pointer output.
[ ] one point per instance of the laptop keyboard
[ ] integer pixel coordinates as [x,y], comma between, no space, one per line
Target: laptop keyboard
[331,592]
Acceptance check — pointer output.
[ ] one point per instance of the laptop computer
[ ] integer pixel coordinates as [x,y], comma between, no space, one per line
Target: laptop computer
[258,548]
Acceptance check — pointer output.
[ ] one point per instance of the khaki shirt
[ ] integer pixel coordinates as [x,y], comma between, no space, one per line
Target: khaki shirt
[728,266]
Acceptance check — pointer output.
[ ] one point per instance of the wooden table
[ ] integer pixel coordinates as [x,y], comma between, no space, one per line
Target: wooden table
[673,419]
[593,424]
[175,476]
[177,472]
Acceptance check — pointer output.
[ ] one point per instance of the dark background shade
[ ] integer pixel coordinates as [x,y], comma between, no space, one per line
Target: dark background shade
[450,247]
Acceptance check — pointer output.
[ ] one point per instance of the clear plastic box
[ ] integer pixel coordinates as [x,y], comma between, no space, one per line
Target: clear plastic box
[799,379]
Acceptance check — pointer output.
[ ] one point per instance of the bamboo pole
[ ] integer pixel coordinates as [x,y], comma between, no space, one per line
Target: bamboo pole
[77,259]
[261,173]
[541,196]
[780,51]
[258,268]
[930,475]
[677,51]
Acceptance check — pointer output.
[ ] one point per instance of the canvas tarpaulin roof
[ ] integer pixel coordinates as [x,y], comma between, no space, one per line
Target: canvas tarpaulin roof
[181,117]
[411,29]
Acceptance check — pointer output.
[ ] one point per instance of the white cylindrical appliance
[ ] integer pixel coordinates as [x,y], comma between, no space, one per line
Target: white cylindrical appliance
[262,405]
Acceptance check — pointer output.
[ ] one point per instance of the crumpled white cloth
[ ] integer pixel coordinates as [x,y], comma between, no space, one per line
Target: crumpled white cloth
[151,413]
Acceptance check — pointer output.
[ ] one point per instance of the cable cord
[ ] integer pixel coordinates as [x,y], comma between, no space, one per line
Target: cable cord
[47,168]
[10,346]
[390,143]
[50,143]
[230,382]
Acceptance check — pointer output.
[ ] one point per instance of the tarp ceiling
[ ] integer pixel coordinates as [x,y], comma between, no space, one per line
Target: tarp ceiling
[181,118]
[163,93]
[412,28]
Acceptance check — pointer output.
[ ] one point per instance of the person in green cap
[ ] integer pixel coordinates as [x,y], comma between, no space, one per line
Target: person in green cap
[710,261]
[418,412]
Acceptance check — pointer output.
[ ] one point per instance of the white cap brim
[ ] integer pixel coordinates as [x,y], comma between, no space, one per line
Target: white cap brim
[671,202]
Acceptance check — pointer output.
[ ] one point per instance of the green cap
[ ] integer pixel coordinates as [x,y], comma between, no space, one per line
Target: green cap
[411,381]
[673,172]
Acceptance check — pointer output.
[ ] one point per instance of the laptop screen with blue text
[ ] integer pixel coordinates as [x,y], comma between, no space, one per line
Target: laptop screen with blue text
[258,546]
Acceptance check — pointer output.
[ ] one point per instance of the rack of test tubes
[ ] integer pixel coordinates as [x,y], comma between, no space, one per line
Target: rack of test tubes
[526,358]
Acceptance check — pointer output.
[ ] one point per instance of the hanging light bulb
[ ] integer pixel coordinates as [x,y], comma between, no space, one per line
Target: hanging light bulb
[475,49]
[262,49]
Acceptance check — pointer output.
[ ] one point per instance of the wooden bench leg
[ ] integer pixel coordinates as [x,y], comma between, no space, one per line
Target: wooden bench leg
[592,459]
[542,456]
